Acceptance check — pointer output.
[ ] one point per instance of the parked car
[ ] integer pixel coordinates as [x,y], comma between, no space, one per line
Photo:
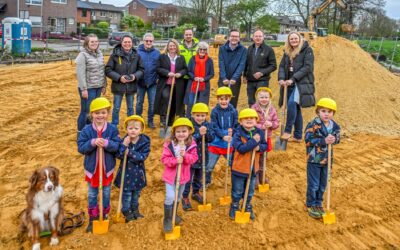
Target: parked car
[115,38]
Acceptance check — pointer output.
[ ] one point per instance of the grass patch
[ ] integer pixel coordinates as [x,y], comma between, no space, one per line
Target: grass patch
[386,50]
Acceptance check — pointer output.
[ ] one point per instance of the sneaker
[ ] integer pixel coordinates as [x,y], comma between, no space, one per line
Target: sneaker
[320,210]
[285,136]
[151,125]
[314,213]
[198,197]
[186,204]
[129,216]
[234,207]
[294,140]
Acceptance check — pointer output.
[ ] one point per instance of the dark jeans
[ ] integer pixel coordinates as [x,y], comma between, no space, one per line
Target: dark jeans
[84,115]
[316,184]
[239,187]
[195,182]
[294,116]
[165,96]
[212,161]
[93,193]
[130,200]
[251,90]
[201,97]
[151,96]
[235,91]
[117,107]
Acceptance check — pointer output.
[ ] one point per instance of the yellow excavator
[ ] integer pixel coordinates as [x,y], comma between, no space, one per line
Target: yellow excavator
[221,37]
[317,31]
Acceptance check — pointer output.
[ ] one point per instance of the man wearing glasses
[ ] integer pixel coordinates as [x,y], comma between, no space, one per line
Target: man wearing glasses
[231,62]
[148,83]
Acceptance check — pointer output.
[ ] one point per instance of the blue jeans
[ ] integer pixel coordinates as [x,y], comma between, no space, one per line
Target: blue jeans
[170,193]
[151,96]
[212,161]
[92,196]
[117,107]
[83,117]
[195,182]
[130,200]
[294,116]
[239,187]
[316,184]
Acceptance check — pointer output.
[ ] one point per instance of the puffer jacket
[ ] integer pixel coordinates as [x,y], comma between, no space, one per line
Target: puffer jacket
[272,117]
[315,134]
[120,64]
[303,76]
[150,60]
[222,120]
[209,137]
[90,69]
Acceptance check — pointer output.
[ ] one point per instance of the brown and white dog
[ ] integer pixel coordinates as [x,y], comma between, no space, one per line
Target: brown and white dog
[44,211]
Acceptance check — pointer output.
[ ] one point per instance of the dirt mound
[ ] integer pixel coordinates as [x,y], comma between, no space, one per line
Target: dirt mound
[367,94]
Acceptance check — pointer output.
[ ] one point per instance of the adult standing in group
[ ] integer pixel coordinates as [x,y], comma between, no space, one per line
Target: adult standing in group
[232,61]
[188,48]
[91,77]
[125,68]
[200,71]
[260,63]
[296,72]
[170,65]
[149,56]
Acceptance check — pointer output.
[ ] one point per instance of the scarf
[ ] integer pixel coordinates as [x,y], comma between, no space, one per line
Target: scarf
[199,71]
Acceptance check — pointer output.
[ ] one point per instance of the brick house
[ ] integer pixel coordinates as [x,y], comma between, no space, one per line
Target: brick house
[58,16]
[286,25]
[90,12]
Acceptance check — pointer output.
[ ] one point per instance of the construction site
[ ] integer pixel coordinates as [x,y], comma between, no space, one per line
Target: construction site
[40,105]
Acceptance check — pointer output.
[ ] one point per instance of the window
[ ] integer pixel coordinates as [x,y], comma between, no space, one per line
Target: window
[59,1]
[103,13]
[60,25]
[36,21]
[34,2]
[149,12]
[24,14]
[134,5]
[84,13]
[93,13]
[71,21]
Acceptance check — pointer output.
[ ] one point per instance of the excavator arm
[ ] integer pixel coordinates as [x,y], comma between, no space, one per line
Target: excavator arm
[318,10]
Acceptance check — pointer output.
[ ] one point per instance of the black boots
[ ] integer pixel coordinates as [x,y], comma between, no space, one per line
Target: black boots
[167,223]
[89,228]
[249,208]
[129,216]
[136,213]
[233,209]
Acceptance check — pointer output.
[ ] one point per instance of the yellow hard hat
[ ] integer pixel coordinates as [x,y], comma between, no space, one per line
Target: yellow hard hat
[248,113]
[183,122]
[224,91]
[200,108]
[327,103]
[134,118]
[264,89]
[99,103]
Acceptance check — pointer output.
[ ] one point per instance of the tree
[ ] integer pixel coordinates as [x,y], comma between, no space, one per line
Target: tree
[131,23]
[103,25]
[268,23]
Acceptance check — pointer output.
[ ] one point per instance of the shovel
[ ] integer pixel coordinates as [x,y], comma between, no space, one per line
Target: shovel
[280,144]
[176,230]
[226,200]
[243,217]
[164,132]
[206,206]
[119,218]
[195,94]
[100,226]
[264,187]
[329,217]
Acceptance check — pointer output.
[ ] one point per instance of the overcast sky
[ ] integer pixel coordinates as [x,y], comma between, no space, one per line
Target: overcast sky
[392,6]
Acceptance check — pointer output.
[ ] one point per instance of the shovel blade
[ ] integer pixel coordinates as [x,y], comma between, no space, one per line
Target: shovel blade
[100,227]
[242,217]
[175,234]
[224,201]
[263,188]
[118,218]
[204,208]
[280,144]
[329,218]
[164,133]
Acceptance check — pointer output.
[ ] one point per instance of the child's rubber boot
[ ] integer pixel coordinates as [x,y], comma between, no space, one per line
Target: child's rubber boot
[167,223]
[89,228]
[234,207]
[136,213]
[129,216]
[178,219]
[249,208]
[186,205]
[198,197]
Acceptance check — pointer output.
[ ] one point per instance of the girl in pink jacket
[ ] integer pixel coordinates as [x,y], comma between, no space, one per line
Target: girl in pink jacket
[179,149]
[268,119]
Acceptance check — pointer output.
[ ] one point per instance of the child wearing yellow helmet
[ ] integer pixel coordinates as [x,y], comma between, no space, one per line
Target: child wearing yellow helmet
[179,149]
[267,119]
[137,146]
[224,122]
[100,135]
[320,132]
[246,139]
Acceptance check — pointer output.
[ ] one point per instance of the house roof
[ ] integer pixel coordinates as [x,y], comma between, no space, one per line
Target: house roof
[148,4]
[287,21]
[98,6]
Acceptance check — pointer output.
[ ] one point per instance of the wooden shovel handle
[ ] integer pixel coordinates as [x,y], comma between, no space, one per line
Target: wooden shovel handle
[101,182]
[328,194]
[246,193]
[203,161]
[122,179]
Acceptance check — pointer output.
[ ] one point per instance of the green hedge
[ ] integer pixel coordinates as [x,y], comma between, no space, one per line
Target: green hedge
[101,33]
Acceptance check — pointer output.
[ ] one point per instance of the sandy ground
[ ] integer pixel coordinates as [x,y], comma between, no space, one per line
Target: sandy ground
[39,107]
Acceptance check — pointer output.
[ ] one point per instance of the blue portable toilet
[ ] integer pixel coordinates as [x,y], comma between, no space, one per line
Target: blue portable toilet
[17,35]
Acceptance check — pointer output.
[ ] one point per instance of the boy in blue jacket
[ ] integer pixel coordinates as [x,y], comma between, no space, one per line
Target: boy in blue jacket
[320,132]
[201,127]
[246,139]
[138,146]
[223,121]
[98,135]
